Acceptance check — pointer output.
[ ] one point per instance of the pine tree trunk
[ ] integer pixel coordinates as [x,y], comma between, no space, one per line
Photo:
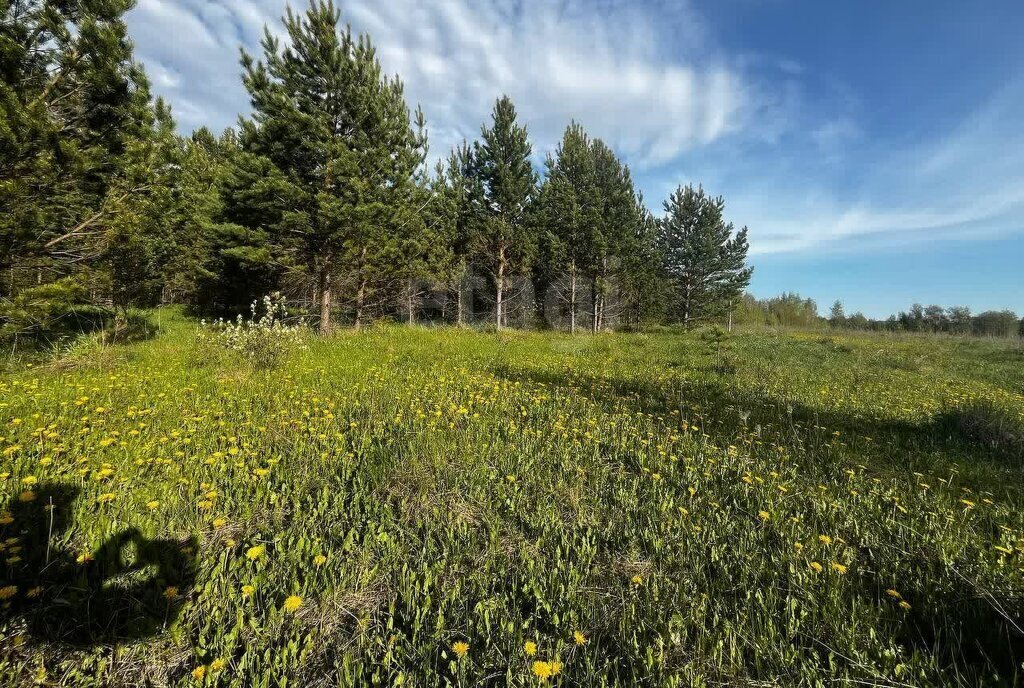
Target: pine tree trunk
[572,297]
[360,299]
[499,283]
[325,302]
[410,309]
[458,303]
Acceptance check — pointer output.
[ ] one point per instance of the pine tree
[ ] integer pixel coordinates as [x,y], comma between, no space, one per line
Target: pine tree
[73,108]
[340,133]
[704,261]
[570,214]
[506,243]
[618,235]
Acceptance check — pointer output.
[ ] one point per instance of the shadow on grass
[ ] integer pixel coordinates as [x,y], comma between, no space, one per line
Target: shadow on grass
[974,630]
[131,588]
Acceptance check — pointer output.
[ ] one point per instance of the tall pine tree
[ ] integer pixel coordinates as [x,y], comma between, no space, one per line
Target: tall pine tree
[704,261]
[339,132]
[505,242]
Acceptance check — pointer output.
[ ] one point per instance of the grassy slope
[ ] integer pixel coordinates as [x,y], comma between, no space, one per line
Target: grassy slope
[670,503]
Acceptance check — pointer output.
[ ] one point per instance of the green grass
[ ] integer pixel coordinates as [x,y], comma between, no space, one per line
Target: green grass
[667,500]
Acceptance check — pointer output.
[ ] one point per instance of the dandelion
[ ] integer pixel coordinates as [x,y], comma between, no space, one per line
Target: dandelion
[825,539]
[27,496]
[29,480]
[34,592]
[248,590]
[171,592]
[217,664]
[319,560]
[579,638]
[893,594]
[152,504]
[530,648]
[836,566]
[106,498]
[816,566]
[460,649]
[637,580]
[84,557]
[764,515]
[542,670]
[904,604]
[8,592]
[254,553]
[219,522]
[6,519]
[199,673]
[556,668]
[293,603]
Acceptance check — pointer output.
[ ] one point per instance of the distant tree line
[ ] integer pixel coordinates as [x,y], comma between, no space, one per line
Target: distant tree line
[957,320]
[322,193]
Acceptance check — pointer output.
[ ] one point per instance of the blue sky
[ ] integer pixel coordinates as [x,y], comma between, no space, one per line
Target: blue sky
[874,149]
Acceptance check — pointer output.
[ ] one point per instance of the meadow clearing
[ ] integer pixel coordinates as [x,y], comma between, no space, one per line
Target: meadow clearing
[423,507]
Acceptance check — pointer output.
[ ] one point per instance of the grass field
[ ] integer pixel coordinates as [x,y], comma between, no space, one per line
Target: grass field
[426,507]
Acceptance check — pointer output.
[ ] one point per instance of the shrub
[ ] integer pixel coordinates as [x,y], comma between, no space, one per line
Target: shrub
[263,339]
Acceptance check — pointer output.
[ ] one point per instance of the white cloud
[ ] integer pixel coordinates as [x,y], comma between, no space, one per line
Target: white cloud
[646,80]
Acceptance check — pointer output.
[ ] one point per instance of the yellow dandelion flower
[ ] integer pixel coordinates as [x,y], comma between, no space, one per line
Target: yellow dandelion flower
[825,539]
[35,592]
[836,566]
[106,498]
[460,648]
[764,515]
[8,592]
[219,522]
[293,603]
[904,604]
[27,496]
[170,592]
[579,638]
[84,557]
[217,664]
[152,504]
[248,590]
[199,672]
[637,580]
[29,480]
[319,560]
[6,519]
[254,553]
[816,566]
[556,668]
[530,648]
[893,594]
[541,670]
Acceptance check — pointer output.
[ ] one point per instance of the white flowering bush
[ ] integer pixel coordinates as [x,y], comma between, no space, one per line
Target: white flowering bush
[263,339]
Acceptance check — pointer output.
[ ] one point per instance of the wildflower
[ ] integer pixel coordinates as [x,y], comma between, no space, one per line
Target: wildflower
[530,648]
[541,670]
[637,580]
[292,603]
[8,592]
[199,672]
[27,496]
[579,638]
[248,590]
[460,649]
[254,553]
[35,592]
[171,592]
[217,664]
[29,480]
[319,560]
[6,519]
[904,604]
[825,539]
[816,566]
[219,522]
[106,498]
[764,515]
[893,594]
[556,668]
[836,566]
[152,504]
[84,557]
